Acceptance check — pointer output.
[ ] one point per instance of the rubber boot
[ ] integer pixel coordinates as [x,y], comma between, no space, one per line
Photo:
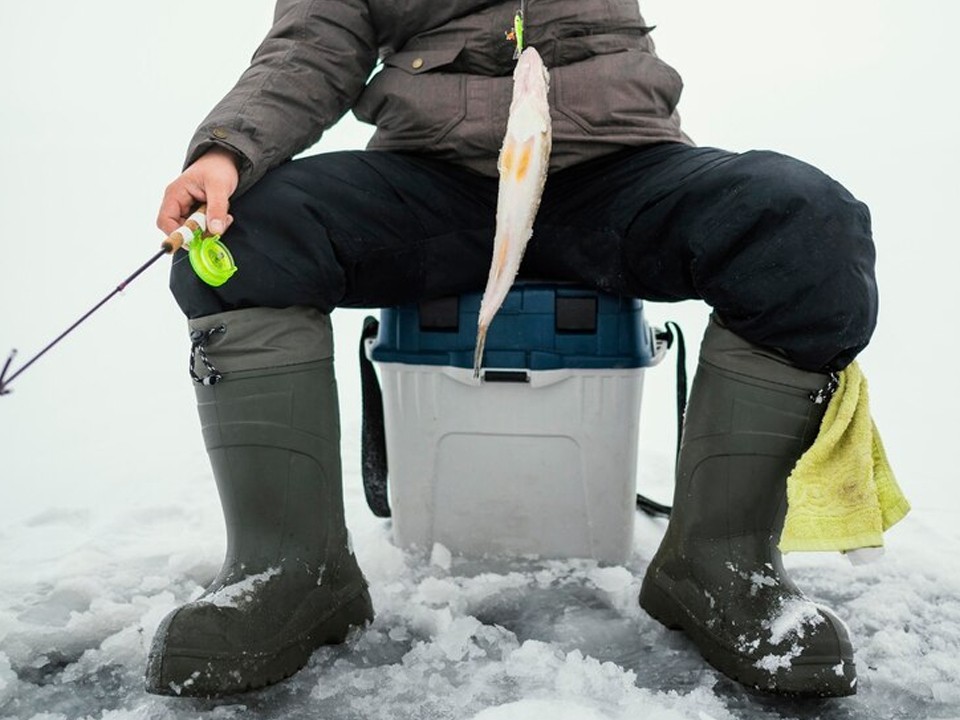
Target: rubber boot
[718,574]
[289,582]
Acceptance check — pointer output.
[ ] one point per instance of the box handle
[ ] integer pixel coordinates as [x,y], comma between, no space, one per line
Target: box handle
[506,376]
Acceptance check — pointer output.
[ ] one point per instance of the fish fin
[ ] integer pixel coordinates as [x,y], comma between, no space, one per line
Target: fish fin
[506,157]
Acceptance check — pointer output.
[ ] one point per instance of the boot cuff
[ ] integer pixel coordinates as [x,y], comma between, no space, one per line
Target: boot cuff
[261,338]
[728,351]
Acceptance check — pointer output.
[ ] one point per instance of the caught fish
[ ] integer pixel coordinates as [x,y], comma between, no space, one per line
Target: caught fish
[524,159]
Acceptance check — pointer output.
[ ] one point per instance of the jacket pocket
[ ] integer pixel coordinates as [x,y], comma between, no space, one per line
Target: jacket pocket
[616,92]
[412,100]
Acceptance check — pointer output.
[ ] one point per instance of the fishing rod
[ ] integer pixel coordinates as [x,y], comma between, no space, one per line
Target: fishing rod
[209,258]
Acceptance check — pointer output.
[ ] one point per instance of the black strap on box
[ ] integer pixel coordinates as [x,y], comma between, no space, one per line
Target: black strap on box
[373,436]
[670,335]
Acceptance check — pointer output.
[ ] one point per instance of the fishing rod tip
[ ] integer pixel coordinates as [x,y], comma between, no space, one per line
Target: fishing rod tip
[6,365]
[4,385]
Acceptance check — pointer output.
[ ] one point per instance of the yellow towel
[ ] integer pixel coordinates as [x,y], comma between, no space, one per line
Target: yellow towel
[842,494]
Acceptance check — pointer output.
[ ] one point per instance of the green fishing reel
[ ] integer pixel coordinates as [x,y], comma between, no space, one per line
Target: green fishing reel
[210,259]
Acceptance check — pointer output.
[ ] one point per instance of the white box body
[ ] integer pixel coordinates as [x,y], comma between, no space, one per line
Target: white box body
[545,467]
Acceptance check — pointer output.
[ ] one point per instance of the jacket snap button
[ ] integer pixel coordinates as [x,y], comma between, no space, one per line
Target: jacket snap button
[220,133]
[417,64]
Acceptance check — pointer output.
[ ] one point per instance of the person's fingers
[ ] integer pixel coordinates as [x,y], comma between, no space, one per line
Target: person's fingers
[178,200]
[212,179]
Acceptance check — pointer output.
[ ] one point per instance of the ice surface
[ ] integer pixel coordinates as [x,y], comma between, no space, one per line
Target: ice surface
[454,637]
[539,709]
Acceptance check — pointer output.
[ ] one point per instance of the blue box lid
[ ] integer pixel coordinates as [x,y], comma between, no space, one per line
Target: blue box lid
[541,326]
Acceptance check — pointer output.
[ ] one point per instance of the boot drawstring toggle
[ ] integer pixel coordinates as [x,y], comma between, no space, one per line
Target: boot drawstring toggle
[198,348]
[823,395]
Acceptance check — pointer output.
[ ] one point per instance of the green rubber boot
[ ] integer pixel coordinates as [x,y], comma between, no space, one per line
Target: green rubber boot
[290,582]
[718,574]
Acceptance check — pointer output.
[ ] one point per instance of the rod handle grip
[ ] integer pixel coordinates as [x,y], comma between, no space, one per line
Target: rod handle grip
[183,234]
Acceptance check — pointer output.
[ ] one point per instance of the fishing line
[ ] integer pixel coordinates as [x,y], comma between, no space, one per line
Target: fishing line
[209,257]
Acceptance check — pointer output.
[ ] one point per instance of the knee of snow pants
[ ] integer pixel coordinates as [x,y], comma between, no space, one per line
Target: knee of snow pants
[787,261]
[282,249]
[351,229]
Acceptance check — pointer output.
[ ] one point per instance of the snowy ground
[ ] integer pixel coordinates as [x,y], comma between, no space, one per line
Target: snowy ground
[108,515]
[492,639]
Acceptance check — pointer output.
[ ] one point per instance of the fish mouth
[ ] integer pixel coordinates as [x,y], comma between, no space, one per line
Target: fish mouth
[530,75]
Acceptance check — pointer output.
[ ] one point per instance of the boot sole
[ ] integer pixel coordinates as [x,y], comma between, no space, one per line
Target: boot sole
[188,674]
[808,678]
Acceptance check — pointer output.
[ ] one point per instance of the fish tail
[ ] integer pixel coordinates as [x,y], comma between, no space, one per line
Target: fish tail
[478,353]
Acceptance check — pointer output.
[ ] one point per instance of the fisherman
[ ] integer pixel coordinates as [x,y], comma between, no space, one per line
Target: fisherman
[782,253]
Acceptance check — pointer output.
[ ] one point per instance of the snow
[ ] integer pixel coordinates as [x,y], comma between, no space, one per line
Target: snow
[506,637]
[794,616]
[109,517]
[537,709]
[758,580]
[791,623]
[441,557]
[236,594]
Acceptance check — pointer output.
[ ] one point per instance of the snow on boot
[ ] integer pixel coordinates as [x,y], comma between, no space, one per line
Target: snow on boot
[289,582]
[718,574]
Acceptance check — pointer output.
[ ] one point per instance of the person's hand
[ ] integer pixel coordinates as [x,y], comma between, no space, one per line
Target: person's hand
[212,179]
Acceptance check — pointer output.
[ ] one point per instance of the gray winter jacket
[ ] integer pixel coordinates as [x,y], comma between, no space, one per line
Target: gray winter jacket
[443,82]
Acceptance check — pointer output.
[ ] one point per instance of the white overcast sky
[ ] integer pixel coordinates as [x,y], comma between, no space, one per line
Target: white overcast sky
[98,100]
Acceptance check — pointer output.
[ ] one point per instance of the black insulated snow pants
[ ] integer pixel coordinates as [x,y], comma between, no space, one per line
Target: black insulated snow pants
[782,252]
